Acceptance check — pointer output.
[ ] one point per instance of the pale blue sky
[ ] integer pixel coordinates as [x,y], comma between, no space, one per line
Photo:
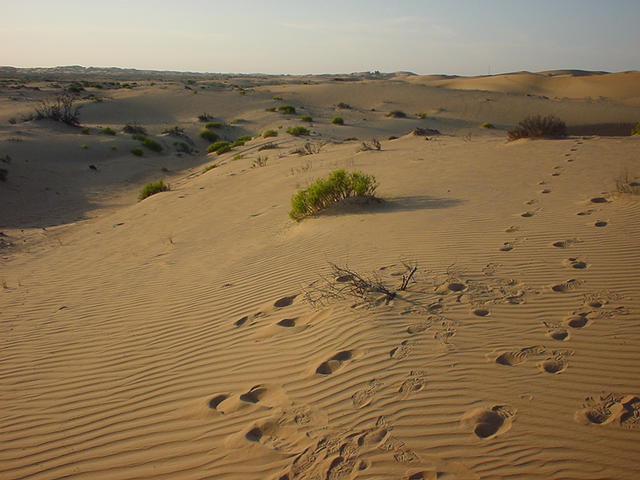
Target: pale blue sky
[461,37]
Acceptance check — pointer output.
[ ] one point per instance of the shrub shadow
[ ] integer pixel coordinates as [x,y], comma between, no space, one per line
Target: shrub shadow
[390,205]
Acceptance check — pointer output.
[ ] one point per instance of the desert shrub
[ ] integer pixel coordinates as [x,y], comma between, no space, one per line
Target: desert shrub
[139,136]
[308,149]
[537,126]
[223,149]
[237,120]
[214,147]
[270,133]
[306,118]
[237,143]
[267,146]
[287,109]
[261,161]
[152,188]
[133,128]
[243,138]
[422,115]
[277,98]
[270,109]
[85,131]
[238,156]
[337,121]
[152,145]
[175,132]
[213,125]
[487,125]
[298,131]
[13,120]
[397,114]
[636,130]
[374,145]
[61,110]
[108,131]
[344,106]
[137,151]
[74,88]
[209,135]
[209,167]
[325,192]
[183,147]
[205,117]
[84,147]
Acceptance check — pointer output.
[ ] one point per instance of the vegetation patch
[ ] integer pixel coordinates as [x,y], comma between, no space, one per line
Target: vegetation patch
[287,110]
[267,146]
[537,126]
[133,128]
[137,151]
[343,106]
[488,125]
[270,133]
[337,121]
[209,167]
[277,98]
[152,188]
[216,146]
[270,109]
[306,118]
[261,161]
[339,186]
[213,125]
[85,131]
[205,117]
[108,131]
[209,135]
[298,131]
[636,130]
[238,120]
[151,145]
[61,110]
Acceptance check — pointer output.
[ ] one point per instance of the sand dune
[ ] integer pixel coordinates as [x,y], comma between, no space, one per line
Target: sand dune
[172,337]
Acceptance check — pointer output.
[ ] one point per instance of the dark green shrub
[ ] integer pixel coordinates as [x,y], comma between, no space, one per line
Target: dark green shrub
[287,110]
[209,135]
[139,136]
[325,192]
[129,128]
[243,138]
[223,149]
[270,109]
[85,130]
[344,106]
[337,121]
[74,88]
[537,126]
[152,145]
[152,188]
[306,118]
[213,125]
[214,147]
[277,98]
[487,125]
[137,151]
[298,131]
[270,133]
[422,116]
[108,131]
[209,167]
[636,130]
[397,114]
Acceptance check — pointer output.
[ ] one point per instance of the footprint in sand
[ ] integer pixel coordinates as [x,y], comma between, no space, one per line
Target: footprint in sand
[573,262]
[414,382]
[401,351]
[243,321]
[364,396]
[566,243]
[599,200]
[334,363]
[217,400]
[578,320]
[480,312]
[512,229]
[516,357]
[585,212]
[506,247]
[600,223]
[284,301]
[567,286]
[623,410]
[546,190]
[556,332]
[287,323]
[556,363]
[489,422]
[527,214]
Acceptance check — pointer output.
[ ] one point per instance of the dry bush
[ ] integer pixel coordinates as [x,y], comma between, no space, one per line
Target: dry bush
[537,126]
[625,183]
[61,110]
[375,145]
[308,148]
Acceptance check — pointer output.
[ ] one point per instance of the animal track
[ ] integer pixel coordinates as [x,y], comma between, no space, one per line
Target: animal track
[481,312]
[334,363]
[287,322]
[506,247]
[599,200]
[527,214]
[489,422]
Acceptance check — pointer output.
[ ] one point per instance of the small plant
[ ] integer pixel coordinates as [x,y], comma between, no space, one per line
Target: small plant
[374,145]
[636,130]
[261,161]
[238,120]
[422,116]
[287,110]
[205,117]
[84,147]
[238,156]
[343,106]
[308,149]
[337,121]
[113,147]
[164,169]
[270,133]
[209,167]
[243,138]
[267,146]
[61,110]
[183,147]
[210,125]
[397,114]
[152,188]
[487,125]
[306,118]
[133,128]
[536,126]
[237,143]
[139,136]
[108,131]
[209,135]
[13,120]
[277,98]
[152,145]
[74,88]
[298,131]
[626,184]
[270,109]
[214,147]
[339,186]
[137,151]
[223,149]
[85,131]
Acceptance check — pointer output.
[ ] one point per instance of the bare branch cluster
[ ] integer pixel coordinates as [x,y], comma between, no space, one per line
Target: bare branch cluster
[374,145]
[61,110]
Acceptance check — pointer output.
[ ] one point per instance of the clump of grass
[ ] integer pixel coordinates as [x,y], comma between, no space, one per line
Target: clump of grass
[243,138]
[108,131]
[261,161]
[85,131]
[84,147]
[210,125]
[137,151]
[337,121]
[397,114]
[270,109]
[270,133]
[139,136]
[209,135]
[287,110]
[151,145]
[277,98]
[308,149]
[325,192]
[238,156]
[205,117]
[209,167]
[487,125]
[152,188]
[223,149]
[298,131]
[422,115]
[217,146]
[267,146]
[636,130]
[133,128]
[306,118]
[537,126]
[237,120]
[343,106]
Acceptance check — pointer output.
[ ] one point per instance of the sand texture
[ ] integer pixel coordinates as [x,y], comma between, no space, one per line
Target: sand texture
[195,335]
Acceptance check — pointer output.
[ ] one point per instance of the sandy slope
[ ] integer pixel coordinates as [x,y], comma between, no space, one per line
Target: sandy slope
[171,338]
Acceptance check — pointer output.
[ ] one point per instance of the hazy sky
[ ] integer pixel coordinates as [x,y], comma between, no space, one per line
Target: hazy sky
[465,37]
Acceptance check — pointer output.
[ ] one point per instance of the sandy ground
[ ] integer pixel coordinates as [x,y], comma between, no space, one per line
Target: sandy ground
[173,337]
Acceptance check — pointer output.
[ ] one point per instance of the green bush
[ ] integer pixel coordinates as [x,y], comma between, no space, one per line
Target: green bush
[85,130]
[325,192]
[277,98]
[209,167]
[129,128]
[214,147]
[344,106]
[209,135]
[536,126]
[636,130]
[487,125]
[270,109]
[223,149]
[338,121]
[108,131]
[270,133]
[243,138]
[306,118]
[422,116]
[137,151]
[152,145]
[139,136]
[238,120]
[152,188]
[210,125]
[298,131]
[397,114]
[287,110]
